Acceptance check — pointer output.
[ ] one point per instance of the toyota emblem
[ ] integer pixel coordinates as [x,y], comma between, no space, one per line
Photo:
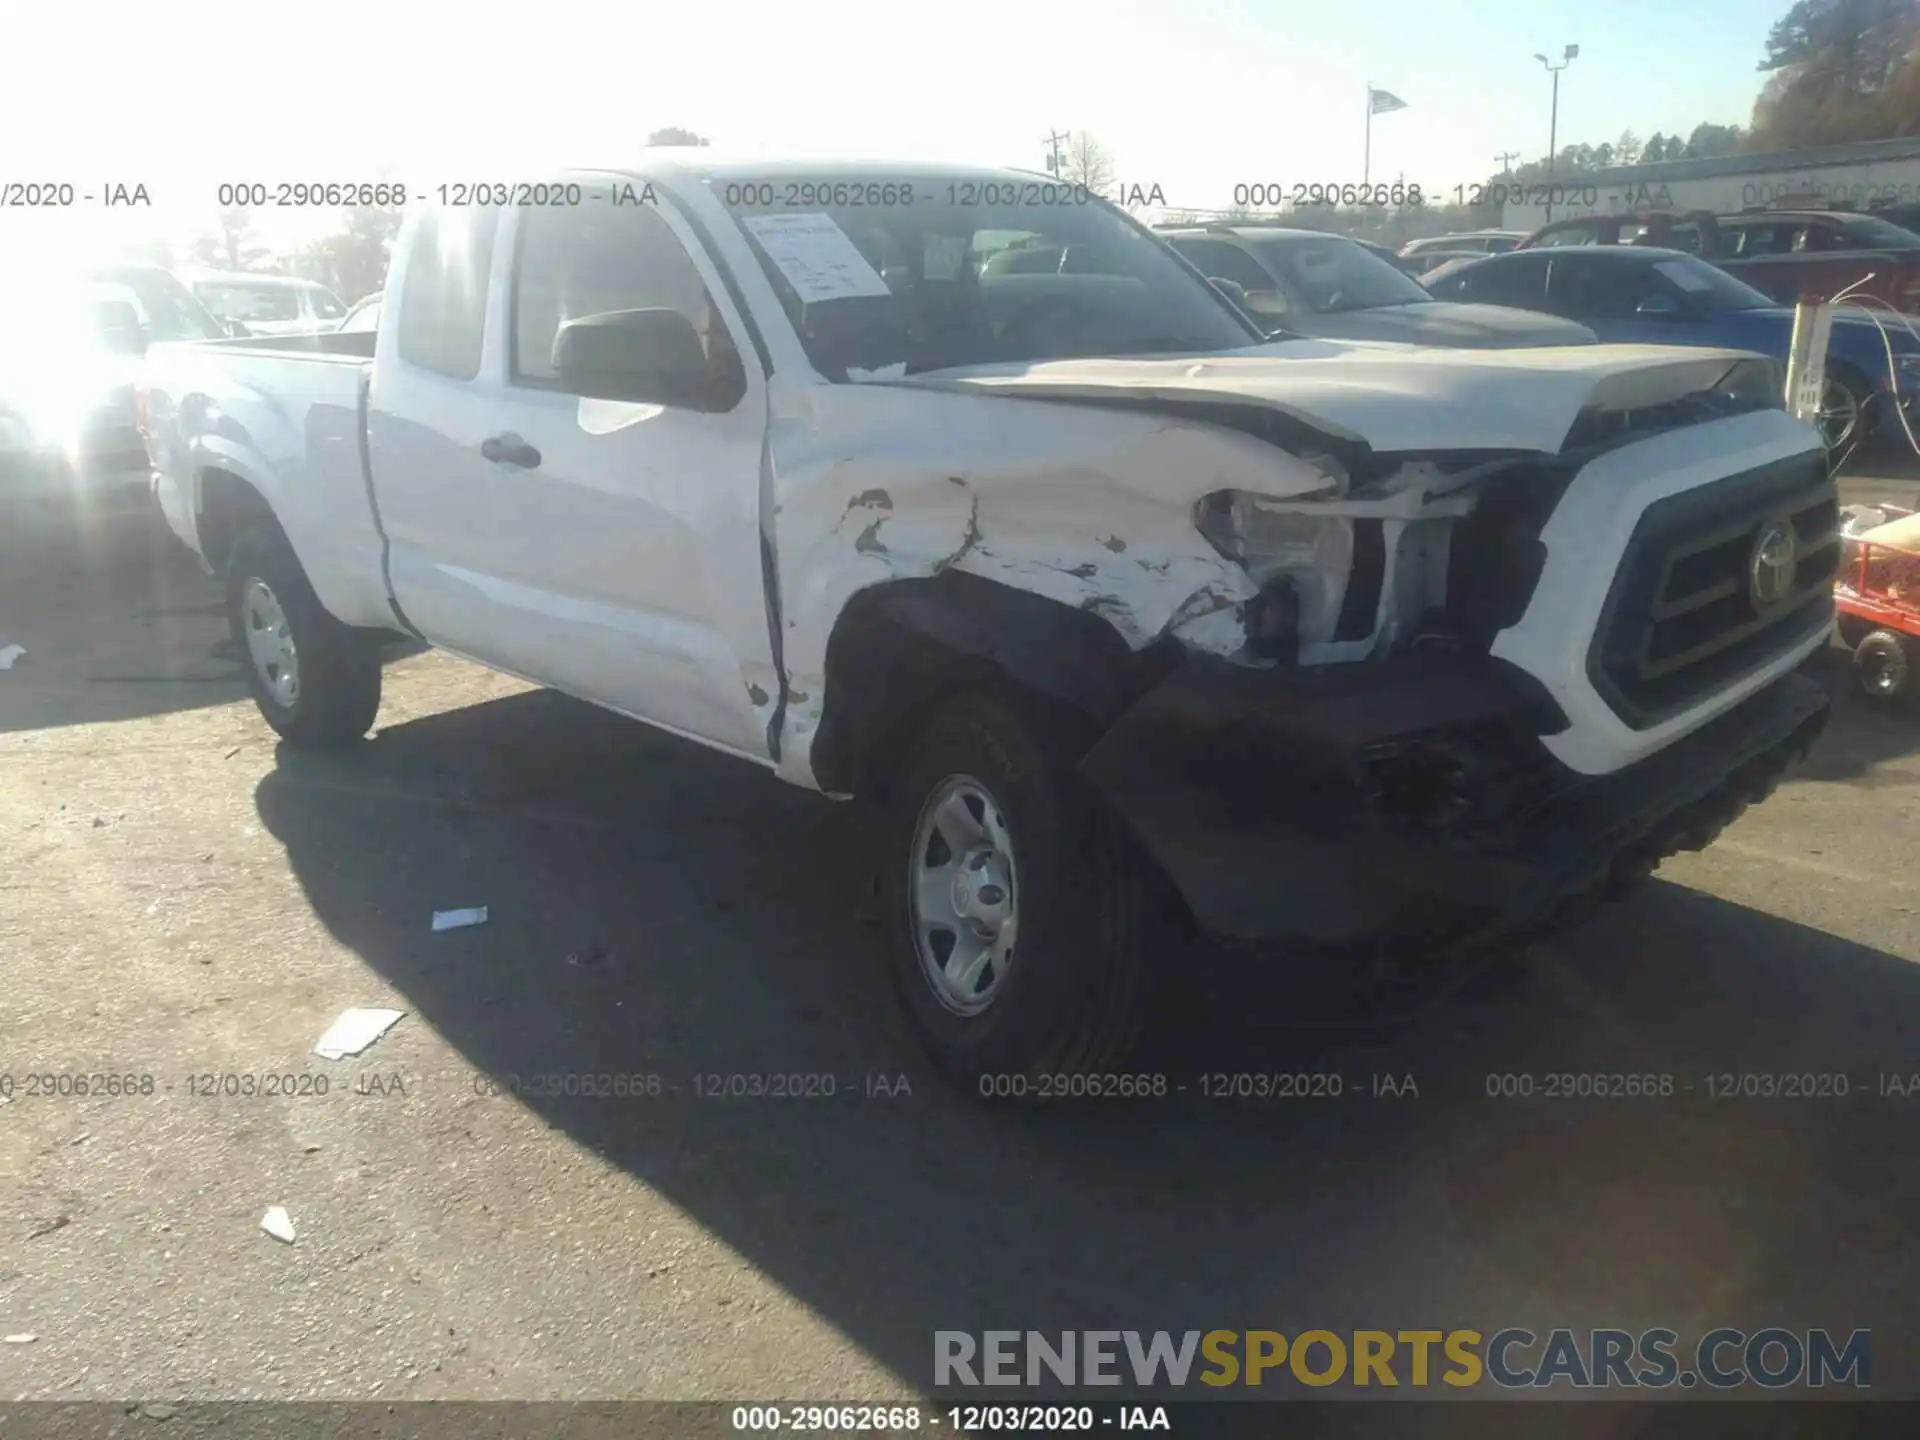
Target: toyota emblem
[1771,569]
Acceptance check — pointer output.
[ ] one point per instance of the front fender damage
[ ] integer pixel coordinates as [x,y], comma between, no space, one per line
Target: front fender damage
[1105,529]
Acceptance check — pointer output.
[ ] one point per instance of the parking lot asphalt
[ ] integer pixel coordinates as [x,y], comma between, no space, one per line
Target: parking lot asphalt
[182,900]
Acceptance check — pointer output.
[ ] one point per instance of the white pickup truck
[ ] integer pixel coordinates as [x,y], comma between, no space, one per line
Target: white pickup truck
[1122,614]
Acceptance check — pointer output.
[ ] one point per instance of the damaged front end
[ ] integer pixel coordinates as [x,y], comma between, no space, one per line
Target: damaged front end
[1411,803]
[1364,770]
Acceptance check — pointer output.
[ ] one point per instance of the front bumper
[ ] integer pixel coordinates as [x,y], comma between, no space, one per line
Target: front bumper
[1413,801]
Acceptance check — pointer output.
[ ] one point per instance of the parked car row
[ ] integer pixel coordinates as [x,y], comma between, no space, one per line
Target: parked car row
[70,350]
[1650,296]
[1309,282]
[1783,253]
[268,304]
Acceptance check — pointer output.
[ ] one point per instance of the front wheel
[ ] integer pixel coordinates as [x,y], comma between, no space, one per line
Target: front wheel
[1018,910]
[316,681]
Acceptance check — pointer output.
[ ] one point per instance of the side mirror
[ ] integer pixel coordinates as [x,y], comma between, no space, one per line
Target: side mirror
[235,330]
[649,356]
[1658,307]
[1232,289]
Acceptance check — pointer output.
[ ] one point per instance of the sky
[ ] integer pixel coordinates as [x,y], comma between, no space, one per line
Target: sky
[1195,96]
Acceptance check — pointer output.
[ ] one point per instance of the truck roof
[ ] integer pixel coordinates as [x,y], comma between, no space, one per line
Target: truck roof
[700,162]
[1248,232]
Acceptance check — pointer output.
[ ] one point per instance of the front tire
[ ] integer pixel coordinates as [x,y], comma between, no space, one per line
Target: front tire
[1019,911]
[1842,419]
[316,681]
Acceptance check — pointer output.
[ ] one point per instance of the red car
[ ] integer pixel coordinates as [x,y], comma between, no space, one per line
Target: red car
[1783,253]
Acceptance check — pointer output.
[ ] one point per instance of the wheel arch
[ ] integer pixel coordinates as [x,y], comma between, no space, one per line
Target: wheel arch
[226,504]
[897,648]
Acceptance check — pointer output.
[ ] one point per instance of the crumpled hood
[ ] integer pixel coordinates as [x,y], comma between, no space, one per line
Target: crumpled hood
[1441,322]
[1394,398]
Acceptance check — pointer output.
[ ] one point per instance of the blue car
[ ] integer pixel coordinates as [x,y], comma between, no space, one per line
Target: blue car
[1642,295]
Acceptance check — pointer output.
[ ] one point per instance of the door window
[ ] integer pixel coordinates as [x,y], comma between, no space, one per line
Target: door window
[1519,280]
[1588,287]
[443,306]
[1218,260]
[597,259]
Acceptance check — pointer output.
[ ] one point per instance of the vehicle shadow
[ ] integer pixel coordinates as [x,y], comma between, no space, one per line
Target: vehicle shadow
[656,908]
[117,622]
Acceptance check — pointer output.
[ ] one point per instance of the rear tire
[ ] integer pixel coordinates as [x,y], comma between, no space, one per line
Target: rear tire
[1046,903]
[316,681]
[1883,668]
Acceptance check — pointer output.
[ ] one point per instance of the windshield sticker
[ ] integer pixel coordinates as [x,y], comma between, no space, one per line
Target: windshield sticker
[942,256]
[1685,276]
[816,257]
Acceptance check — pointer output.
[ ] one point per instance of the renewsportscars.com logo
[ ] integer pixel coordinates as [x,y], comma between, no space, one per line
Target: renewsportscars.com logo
[1773,1358]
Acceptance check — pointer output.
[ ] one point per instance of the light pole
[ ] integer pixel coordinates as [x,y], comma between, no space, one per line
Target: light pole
[1553,123]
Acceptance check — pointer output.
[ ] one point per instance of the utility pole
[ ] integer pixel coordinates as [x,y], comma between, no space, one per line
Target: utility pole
[1506,159]
[1053,159]
[1553,122]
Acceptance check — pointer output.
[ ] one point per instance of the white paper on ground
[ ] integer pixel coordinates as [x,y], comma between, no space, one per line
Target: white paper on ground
[816,256]
[354,1031]
[9,654]
[455,919]
[277,1223]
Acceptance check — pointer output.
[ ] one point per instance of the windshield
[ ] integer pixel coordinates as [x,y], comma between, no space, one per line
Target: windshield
[1881,234]
[1333,274]
[250,303]
[935,275]
[1708,288]
[167,308]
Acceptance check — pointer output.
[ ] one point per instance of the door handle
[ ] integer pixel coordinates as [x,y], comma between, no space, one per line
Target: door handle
[510,449]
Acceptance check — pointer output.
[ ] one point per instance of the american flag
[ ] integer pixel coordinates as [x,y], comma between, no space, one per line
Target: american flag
[1384,100]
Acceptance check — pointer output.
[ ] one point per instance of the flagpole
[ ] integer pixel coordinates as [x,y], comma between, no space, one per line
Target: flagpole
[1366,162]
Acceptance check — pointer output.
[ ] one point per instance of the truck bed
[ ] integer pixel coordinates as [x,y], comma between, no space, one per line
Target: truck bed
[286,416]
[328,344]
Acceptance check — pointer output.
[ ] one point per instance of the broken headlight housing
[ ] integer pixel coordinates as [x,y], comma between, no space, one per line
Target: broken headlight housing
[1311,554]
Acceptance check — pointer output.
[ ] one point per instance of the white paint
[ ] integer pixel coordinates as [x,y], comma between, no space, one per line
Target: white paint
[9,654]
[1394,397]
[1585,541]
[627,567]
[459,919]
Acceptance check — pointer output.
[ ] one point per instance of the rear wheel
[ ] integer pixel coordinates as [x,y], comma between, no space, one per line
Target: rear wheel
[1883,667]
[1841,418]
[1019,911]
[316,681]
